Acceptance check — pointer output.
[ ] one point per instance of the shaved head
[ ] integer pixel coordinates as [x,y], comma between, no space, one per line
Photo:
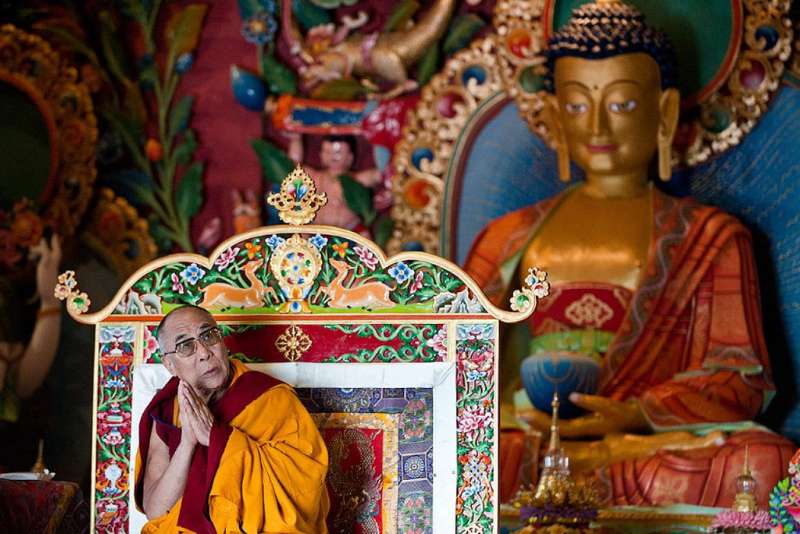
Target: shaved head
[163,326]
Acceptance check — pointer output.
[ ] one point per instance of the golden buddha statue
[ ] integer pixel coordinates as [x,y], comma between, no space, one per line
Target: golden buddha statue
[663,290]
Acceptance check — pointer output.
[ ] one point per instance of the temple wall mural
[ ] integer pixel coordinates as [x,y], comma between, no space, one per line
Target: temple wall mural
[475,136]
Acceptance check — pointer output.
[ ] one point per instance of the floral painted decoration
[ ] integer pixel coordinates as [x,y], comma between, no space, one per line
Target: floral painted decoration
[20,229]
[260,28]
[67,289]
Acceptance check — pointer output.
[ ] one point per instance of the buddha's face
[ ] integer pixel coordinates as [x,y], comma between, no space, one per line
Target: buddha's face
[611,111]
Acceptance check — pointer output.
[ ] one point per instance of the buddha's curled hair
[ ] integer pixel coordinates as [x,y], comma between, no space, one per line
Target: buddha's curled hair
[606,29]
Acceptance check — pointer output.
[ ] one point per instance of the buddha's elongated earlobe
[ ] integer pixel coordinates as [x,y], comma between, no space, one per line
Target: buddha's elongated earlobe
[557,134]
[670,111]
[664,160]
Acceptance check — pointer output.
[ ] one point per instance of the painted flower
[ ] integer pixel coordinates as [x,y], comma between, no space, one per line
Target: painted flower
[117,334]
[9,252]
[61,292]
[416,285]
[475,469]
[68,279]
[192,274]
[176,284]
[341,248]
[79,303]
[113,437]
[273,242]
[472,418]
[401,272]
[475,332]
[475,376]
[439,343]
[226,258]
[318,241]
[366,256]
[27,228]
[537,282]
[112,515]
[520,301]
[112,477]
[415,421]
[150,345]
[117,382]
[259,29]
[414,515]
[184,63]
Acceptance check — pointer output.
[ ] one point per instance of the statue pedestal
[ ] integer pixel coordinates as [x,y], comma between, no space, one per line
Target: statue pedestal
[631,519]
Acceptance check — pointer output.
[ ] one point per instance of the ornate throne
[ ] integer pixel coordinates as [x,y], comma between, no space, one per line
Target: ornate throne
[394,357]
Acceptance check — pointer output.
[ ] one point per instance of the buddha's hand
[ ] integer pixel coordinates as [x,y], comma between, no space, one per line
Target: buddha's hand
[198,415]
[606,416]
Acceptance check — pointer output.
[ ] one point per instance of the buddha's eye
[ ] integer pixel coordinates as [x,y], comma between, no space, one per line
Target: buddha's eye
[622,107]
[575,109]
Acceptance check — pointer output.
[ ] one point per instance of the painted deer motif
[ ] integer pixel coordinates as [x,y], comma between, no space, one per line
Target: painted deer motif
[224,295]
[370,295]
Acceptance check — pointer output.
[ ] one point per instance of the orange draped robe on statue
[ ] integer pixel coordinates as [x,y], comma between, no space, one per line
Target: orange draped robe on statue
[690,348]
[263,470]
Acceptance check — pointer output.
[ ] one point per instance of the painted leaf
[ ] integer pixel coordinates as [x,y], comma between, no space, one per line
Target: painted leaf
[333,4]
[358,198]
[189,196]
[130,132]
[161,235]
[280,79]
[183,28]
[401,14]
[113,49]
[134,103]
[309,15]
[346,89]
[68,40]
[382,230]
[275,164]
[428,65]
[248,8]
[185,149]
[179,115]
[461,32]
[133,184]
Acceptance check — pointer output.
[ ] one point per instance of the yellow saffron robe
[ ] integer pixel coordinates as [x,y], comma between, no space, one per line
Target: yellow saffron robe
[263,471]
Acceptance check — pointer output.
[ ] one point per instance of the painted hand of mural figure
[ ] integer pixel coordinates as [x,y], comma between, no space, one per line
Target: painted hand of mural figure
[664,290]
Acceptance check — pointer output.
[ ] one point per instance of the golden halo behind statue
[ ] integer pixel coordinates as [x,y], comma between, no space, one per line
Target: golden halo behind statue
[30,68]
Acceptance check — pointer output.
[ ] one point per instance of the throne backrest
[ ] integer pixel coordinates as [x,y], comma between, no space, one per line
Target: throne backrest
[396,359]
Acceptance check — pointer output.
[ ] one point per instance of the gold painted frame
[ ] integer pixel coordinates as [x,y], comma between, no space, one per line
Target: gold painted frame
[28,62]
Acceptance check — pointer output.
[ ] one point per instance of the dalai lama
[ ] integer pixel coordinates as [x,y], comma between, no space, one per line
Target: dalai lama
[223,448]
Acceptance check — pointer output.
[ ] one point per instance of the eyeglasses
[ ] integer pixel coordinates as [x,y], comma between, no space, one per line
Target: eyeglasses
[188,347]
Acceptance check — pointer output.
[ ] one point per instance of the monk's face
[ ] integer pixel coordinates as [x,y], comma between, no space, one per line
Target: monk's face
[207,368]
[609,111]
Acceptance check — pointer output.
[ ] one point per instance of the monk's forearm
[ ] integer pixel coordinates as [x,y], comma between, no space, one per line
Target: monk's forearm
[169,488]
